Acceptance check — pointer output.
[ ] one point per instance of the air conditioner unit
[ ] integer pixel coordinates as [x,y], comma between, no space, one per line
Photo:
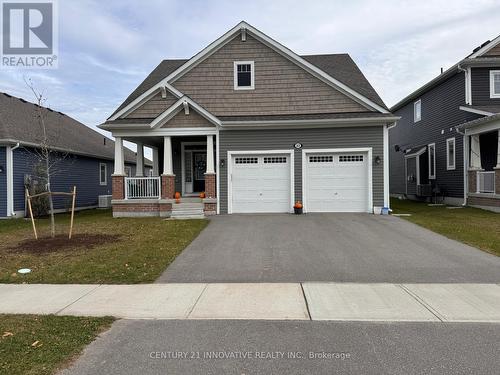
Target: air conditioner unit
[105,201]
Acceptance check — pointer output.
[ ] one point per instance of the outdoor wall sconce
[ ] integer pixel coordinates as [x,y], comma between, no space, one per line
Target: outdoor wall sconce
[377,160]
[222,163]
[1,169]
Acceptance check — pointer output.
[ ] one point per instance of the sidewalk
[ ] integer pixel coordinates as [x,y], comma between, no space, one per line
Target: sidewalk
[262,301]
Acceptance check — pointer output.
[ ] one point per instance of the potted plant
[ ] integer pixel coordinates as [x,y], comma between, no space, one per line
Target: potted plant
[177,197]
[297,207]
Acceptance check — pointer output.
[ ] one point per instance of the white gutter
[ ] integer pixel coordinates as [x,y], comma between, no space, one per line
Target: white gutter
[10,178]
[465,148]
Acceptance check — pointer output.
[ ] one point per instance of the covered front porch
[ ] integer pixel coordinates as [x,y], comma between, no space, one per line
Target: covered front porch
[482,140]
[183,166]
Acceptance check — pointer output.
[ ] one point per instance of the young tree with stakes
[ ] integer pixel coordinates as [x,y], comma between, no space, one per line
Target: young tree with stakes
[45,152]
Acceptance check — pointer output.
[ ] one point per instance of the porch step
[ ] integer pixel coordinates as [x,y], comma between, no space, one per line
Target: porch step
[190,200]
[187,210]
[187,217]
[187,206]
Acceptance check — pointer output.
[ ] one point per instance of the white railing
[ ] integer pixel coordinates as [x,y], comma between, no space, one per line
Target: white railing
[142,187]
[485,182]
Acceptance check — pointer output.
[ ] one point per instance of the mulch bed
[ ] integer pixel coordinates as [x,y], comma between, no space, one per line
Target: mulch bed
[61,242]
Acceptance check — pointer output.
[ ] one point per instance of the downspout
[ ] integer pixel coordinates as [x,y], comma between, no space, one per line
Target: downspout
[387,127]
[465,163]
[10,179]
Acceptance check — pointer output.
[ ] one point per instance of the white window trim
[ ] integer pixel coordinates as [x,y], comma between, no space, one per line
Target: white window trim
[415,118]
[493,94]
[433,145]
[451,166]
[252,75]
[105,174]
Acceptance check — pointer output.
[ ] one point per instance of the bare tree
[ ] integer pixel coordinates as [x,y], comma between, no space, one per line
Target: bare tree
[46,150]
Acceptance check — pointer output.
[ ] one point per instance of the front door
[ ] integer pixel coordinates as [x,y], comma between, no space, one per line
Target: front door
[199,169]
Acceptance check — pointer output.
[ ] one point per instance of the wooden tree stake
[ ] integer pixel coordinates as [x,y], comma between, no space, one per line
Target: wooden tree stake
[31,214]
[72,212]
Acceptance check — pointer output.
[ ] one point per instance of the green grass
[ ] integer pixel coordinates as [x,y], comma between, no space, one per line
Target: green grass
[473,226]
[60,340]
[145,247]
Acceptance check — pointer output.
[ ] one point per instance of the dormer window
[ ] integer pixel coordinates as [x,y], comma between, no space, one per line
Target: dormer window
[244,75]
[494,84]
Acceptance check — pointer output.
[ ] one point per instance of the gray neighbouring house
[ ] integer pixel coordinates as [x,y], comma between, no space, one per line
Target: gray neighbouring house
[447,142]
[255,127]
[85,157]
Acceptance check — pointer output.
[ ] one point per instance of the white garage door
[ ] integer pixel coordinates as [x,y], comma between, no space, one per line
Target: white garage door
[336,182]
[260,183]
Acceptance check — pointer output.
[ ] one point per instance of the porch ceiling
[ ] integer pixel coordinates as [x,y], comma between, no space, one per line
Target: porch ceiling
[157,141]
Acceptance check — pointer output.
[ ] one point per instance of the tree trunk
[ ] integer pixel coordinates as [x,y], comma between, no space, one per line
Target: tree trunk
[51,202]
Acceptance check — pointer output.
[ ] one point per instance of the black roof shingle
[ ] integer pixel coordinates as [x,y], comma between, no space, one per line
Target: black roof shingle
[19,123]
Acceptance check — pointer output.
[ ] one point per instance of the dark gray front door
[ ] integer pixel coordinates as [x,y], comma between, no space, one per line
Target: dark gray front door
[199,169]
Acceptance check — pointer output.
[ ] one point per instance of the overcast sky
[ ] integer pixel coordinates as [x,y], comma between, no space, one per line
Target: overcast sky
[108,47]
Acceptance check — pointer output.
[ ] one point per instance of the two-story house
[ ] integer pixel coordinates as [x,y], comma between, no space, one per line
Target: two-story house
[447,141]
[255,128]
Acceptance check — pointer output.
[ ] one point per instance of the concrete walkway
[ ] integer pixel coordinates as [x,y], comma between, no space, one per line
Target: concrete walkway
[263,301]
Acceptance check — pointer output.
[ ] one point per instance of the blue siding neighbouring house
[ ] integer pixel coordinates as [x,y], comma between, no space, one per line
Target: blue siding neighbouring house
[73,170]
[3,182]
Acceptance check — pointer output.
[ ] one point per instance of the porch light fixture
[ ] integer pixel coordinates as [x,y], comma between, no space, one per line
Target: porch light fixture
[377,160]
[222,163]
[1,169]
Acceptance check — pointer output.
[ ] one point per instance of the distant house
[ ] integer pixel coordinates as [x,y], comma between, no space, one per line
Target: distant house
[87,162]
[447,142]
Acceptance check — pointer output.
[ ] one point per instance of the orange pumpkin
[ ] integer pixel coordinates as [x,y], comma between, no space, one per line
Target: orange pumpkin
[202,195]
[177,195]
[298,204]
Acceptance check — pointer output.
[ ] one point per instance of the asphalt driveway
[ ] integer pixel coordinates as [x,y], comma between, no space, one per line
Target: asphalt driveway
[327,247]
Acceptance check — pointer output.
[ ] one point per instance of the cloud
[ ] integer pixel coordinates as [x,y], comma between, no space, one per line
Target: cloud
[108,48]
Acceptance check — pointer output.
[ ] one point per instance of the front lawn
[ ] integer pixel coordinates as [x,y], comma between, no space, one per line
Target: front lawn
[473,226]
[103,249]
[39,345]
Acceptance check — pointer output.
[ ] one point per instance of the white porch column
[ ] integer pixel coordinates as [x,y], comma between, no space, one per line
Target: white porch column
[498,150]
[156,168]
[475,152]
[210,154]
[119,162]
[167,156]
[139,166]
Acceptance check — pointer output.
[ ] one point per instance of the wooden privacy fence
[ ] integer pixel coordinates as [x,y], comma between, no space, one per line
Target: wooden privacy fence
[73,194]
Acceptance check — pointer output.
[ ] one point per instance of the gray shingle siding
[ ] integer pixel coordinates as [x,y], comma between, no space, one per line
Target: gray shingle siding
[79,171]
[247,140]
[480,82]
[440,115]
[3,183]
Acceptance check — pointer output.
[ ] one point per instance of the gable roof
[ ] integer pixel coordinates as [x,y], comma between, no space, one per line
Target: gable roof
[170,72]
[475,58]
[160,72]
[18,123]
[343,68]
[340,66]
